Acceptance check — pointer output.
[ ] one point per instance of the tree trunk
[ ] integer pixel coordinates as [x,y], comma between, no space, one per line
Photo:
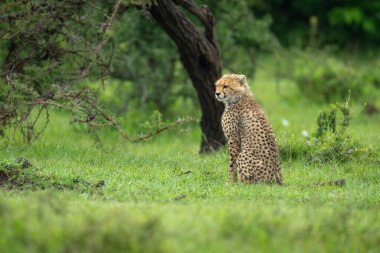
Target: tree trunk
[200,55]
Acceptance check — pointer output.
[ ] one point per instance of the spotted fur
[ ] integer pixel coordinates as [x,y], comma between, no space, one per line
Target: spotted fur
[252,145]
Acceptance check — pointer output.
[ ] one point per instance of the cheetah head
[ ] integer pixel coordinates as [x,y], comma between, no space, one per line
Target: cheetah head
[230,88]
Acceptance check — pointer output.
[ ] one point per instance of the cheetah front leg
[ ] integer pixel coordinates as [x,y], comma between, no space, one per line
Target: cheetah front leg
[233,147]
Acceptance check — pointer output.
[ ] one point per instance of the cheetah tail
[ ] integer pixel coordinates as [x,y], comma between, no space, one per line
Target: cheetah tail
[278,179]
[340,182]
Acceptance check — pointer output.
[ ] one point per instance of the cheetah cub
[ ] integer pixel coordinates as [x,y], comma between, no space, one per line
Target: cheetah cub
[252,145]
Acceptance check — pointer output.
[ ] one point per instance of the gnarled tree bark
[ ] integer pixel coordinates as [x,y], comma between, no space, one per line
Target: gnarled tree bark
[200,55]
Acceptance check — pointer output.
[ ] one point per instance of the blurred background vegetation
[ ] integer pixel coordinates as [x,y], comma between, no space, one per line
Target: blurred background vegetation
[324,43]
[80,54]
[74,71]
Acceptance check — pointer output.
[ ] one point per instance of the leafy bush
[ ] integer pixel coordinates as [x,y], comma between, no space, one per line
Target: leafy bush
[325,79]
[372,74]
[46,50]
[332,141]
[321,77]
[242,34]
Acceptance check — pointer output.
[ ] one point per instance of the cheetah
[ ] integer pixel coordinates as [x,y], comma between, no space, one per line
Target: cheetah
[253,151]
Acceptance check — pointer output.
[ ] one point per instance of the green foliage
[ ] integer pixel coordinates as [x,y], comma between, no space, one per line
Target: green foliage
[332,140]
[343,23]
[327,120]
[163,196]
[357,17]
[242,35]
[323,78]
[147,59]
[49,223]
[148,65]
[155,122]
[373,76]
[49,47]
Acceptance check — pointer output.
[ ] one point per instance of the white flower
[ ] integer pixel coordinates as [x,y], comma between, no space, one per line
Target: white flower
[285,122]
[305,133]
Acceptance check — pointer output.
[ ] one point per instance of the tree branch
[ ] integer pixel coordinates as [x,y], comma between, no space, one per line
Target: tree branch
[204,15]
[100,46]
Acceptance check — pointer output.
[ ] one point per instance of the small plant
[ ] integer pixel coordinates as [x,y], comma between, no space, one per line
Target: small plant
[332,141]
[327,120]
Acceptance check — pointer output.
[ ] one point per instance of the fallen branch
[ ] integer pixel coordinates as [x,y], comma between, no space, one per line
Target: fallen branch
[159,130]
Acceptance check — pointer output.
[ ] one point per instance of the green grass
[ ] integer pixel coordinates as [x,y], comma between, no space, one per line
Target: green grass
[162,196]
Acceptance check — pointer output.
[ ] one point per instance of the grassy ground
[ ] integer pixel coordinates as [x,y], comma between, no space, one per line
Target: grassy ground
[161,196]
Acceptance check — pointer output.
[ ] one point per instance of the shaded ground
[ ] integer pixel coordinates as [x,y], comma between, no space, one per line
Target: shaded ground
[22,175]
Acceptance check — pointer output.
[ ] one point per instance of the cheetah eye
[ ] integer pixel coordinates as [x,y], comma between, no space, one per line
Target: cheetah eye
[225,86]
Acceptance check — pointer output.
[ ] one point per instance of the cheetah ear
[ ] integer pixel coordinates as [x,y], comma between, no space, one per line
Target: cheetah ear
[243,80]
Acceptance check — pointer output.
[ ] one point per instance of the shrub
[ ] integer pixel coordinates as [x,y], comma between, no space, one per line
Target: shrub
[323,78]
[332,141]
